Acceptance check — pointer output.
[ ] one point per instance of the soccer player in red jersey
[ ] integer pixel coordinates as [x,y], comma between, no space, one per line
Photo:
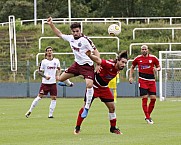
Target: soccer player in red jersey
[147,65]
[109,69]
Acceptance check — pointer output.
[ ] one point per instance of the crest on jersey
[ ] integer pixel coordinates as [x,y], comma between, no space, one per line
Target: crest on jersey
[79,44]
[54,63]
[150,61]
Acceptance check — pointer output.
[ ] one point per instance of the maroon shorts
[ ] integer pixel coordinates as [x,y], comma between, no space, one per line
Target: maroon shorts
[86,70]
[147,87]
[46,88]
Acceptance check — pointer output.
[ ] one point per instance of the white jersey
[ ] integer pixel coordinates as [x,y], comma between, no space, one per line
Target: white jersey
[79,47]
[49,67]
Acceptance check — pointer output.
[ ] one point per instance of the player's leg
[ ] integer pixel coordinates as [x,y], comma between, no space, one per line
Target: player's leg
[33,105]
[53,94]
[42,91]
[52,106]
[80,118]
[64,79]
[152,93]
[89,96]
[112,117]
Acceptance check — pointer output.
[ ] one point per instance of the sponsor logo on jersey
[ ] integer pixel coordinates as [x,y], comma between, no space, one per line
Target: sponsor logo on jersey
[144,66]
[51,67]
[79,44]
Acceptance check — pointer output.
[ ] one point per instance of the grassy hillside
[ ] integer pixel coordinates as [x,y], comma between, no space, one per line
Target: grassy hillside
[28,45]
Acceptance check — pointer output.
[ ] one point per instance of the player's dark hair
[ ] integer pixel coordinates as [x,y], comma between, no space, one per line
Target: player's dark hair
[123,54]
[75,25]
[48,47]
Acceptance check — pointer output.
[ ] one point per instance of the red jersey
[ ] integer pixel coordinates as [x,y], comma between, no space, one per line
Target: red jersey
[107,73]
[146,66]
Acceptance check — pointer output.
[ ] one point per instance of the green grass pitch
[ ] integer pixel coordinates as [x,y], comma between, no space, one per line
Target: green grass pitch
[16,129]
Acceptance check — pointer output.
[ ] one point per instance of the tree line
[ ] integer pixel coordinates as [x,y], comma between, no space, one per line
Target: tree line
[24,9]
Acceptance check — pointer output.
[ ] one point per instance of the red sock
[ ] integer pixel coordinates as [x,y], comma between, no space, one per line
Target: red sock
[145,108]
[79,118]
[113,122]
[151,105]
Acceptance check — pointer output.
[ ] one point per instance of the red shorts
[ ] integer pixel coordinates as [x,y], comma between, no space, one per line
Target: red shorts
[148,86]
[104,93]
[86,70]
[46,88]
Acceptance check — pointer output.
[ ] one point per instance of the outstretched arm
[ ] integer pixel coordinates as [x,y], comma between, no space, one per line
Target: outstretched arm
[131,74]
[55,30]
[93,57]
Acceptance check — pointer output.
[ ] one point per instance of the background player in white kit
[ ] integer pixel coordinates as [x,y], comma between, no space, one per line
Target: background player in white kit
[83,65]
[50,70]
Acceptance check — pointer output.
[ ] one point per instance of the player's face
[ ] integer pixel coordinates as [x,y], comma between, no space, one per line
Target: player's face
[121,63]
[144,51]
[76,32]
[49,52]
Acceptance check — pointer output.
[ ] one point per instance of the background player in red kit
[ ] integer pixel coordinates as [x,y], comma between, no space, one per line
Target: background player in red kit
[147,65]
[109,69]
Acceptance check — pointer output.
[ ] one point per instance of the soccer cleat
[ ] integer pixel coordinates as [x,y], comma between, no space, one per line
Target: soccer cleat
[149,120]
[115,130]
[28,114]
[77,130]
[84,113]
[63,84]
[50,117]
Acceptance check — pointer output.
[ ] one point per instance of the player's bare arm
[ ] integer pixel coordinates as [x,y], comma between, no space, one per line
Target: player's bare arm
[55,30]
[93,57]
[42,75]
[58,72]
[96,53]
[131,74]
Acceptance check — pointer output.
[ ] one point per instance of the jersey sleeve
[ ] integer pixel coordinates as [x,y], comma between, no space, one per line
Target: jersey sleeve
[134,63]
[103,63]
[66,37]
[156,61]
[58,63]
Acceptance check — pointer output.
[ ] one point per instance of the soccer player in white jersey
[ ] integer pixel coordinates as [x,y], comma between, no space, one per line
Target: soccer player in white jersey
[50,70]
[83,65]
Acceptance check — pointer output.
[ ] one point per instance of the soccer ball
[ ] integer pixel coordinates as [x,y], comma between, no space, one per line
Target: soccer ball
[114,29]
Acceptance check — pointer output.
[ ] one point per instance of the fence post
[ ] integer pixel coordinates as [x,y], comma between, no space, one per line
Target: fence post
[28,78]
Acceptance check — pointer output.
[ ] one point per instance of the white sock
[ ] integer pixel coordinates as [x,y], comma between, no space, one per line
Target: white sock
[112,116]
[34,103]
[89,95]
[68,82]
[52,107]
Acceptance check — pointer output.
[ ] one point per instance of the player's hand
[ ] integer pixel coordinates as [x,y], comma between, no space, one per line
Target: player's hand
[47,77]
[130,80]
[88,53]
[49,20]
[98,68]
[57,78]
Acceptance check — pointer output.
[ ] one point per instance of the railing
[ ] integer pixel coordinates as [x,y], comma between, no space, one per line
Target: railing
[137,44]
[146,20]
[168,28]
[91,37]
[64,22]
